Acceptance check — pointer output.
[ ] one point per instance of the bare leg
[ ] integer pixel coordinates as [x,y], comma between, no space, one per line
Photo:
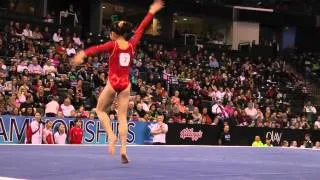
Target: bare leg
[105,99]
[123,102]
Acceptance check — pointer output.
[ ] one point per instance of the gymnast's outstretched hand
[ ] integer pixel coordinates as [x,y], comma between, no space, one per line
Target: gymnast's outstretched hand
[156,6]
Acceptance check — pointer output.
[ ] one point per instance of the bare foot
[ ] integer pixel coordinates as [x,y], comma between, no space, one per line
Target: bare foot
[124,159]
[112,145]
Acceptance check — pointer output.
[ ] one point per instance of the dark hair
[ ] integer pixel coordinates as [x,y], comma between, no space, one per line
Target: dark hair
[160,114]
[76,120]
[124,30]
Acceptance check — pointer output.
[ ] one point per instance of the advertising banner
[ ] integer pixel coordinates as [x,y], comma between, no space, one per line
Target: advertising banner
[245,136]
[188,134]
[12,130]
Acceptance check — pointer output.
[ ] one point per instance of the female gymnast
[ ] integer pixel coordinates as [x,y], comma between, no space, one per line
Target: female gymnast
[121,53]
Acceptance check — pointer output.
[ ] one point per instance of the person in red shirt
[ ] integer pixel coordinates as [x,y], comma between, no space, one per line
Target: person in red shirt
[76,134]
[121,56]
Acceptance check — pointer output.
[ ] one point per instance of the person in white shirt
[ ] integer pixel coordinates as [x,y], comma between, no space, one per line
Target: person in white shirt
[67,107]
[22,66]
[294,144]
[317,146]
[251,111]
[218,109]
[76,39]
[34,67]
[2,65]
[159,131]
[27,32]
[220,94]
[37,128]
[52,107]
[57,37]
[48,68]
[70,50]
[60,136]
[317,124]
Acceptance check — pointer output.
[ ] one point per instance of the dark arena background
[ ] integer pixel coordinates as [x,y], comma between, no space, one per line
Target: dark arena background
[236,81]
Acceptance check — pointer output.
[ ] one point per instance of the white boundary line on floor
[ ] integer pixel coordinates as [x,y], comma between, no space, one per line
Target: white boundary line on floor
[169,146]
[129,145]
[8,178]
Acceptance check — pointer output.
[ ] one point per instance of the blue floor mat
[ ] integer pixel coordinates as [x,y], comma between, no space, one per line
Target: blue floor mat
[158,162]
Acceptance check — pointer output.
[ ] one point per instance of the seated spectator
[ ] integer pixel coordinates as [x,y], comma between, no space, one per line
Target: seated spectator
[47,135]
[49,68]
[76,39]
[317,124]
[92,116]
[229,108]
[60,115]
[18,31]
[218,110]
[177,116]
[213,62]
[27,31]
[196,116]
[38,85]
[49,19]
[304,123]
[131,109]
[57,36]
[257,142]
[251,111]
[317,145]
[140,111]
[285,144]
[70,50]
[268,143]
[37,34]
[294,144]
[153,112]
[176,99]
[2,86]
[219,94]
[307,142]
[82,113]
[34,67]
[64,82]
[190,105]
[206,119]
[22,66]
[73,114]
[40,99]
[51,87]
[60,48]
[135,117]
[159,131]
[60,136]
[46,35]
[67,107]
[2,65]
[182,107]
[76,134]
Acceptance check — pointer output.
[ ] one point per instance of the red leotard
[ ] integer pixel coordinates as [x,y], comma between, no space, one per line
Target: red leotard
[120,59]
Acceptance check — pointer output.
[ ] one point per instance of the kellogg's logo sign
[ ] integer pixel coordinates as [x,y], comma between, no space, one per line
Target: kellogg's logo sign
[189,133]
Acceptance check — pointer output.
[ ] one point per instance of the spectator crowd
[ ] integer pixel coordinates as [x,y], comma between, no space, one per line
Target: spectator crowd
[205,86]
